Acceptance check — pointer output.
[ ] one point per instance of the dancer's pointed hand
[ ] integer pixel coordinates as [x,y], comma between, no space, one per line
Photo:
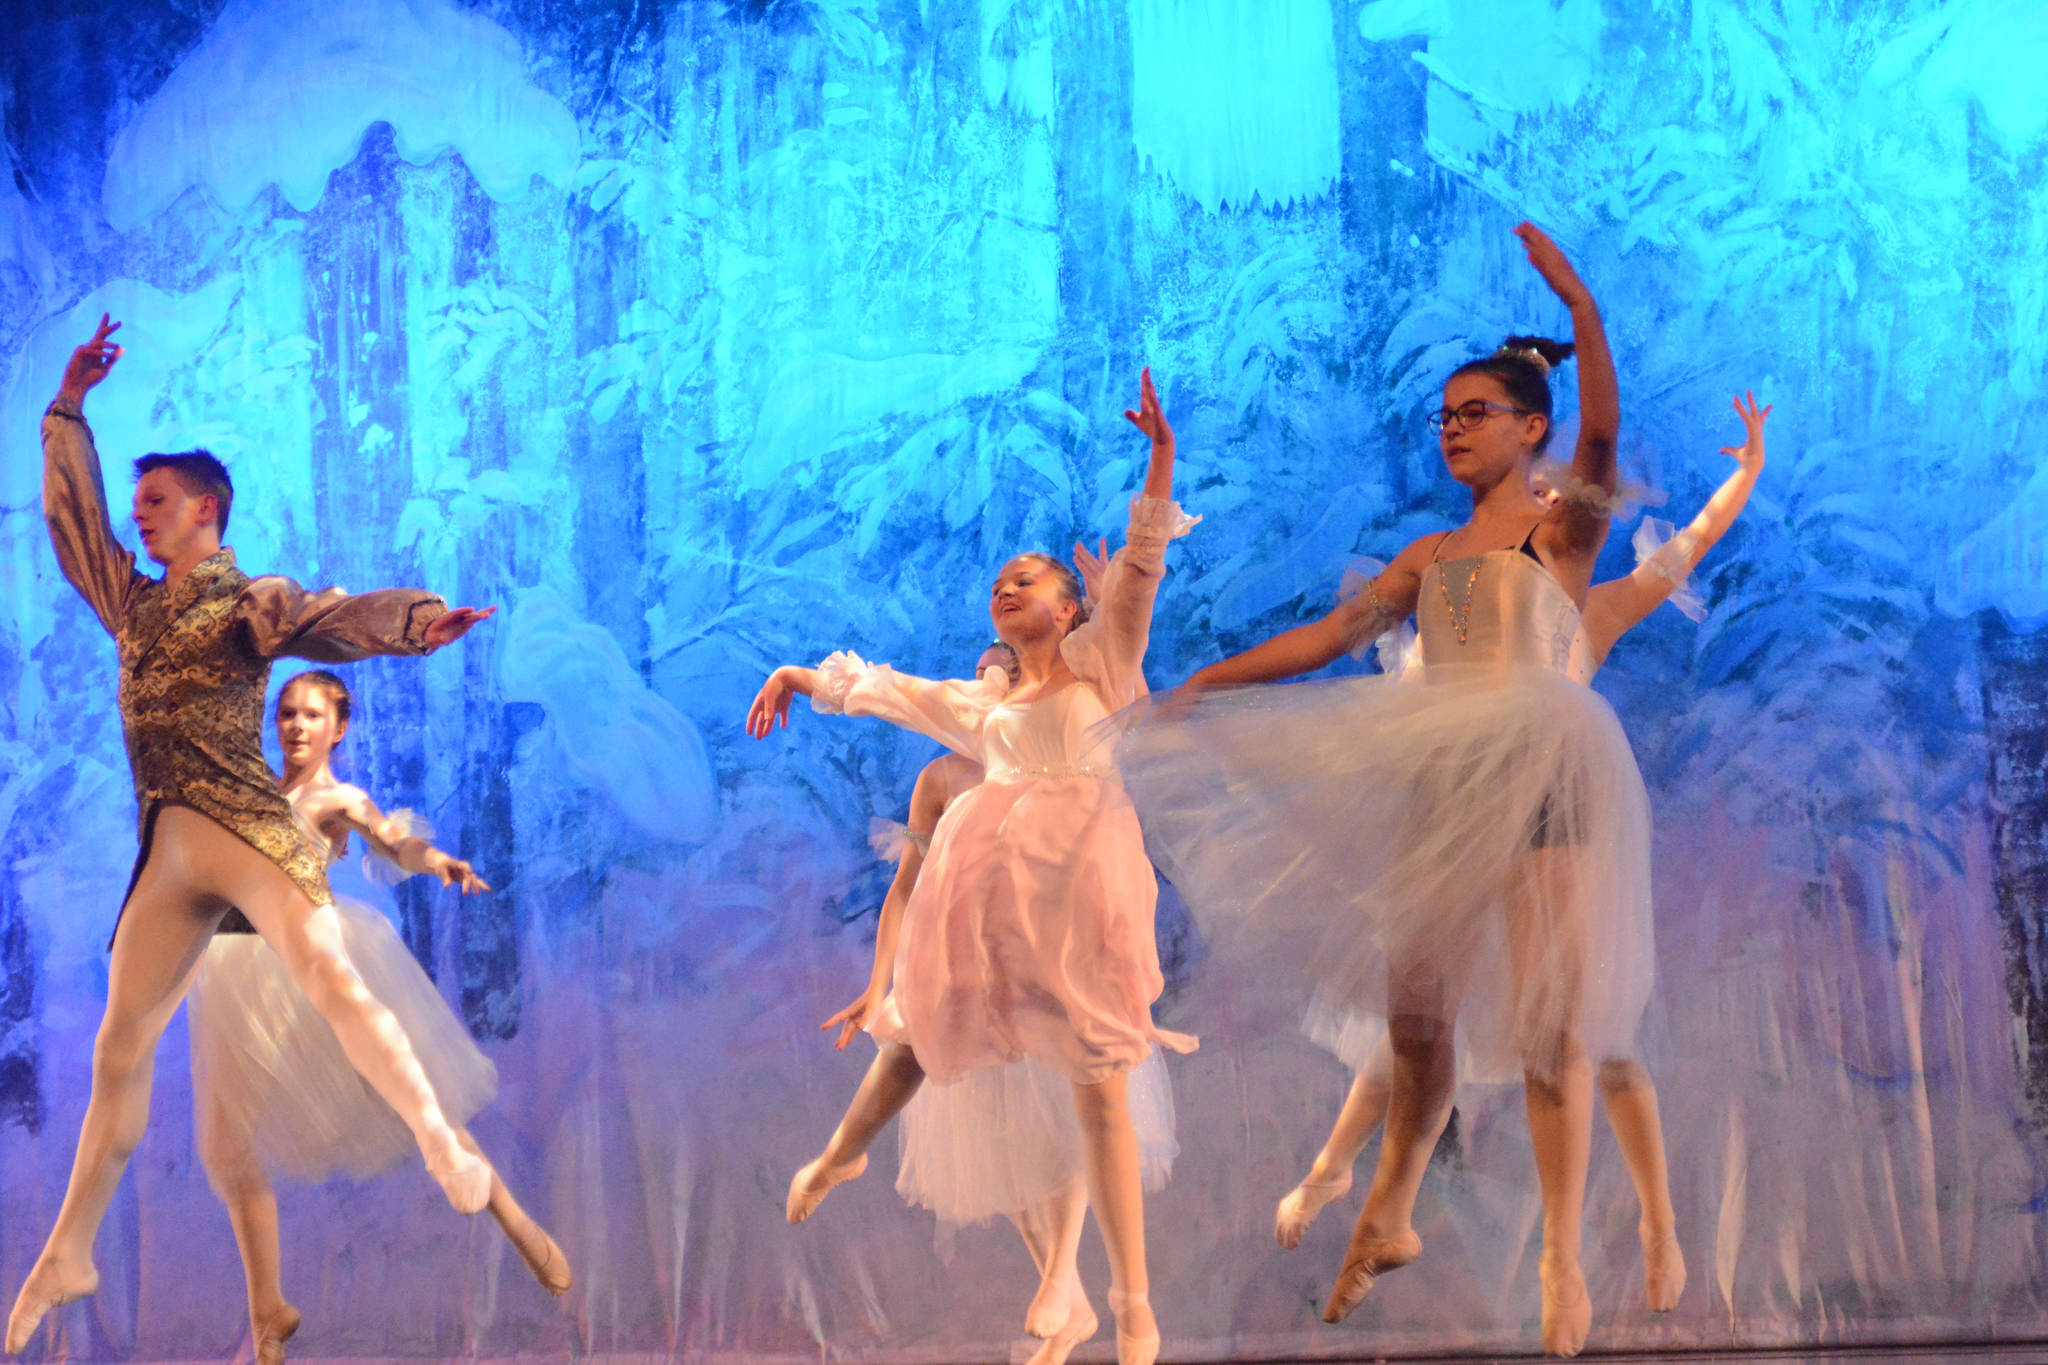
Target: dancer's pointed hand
[851,1020]
[90,363]
[1093,566]
[771,705]
[457,873]
[1549,260]
[454,623]
[1149,417]
[1750,454]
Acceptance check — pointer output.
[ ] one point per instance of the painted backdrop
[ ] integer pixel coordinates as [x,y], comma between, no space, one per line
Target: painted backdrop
[708,336]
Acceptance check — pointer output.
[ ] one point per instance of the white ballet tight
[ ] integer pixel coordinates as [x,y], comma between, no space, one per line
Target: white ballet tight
[196,871]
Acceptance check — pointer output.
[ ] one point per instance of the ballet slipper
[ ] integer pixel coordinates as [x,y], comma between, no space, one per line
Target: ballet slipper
[810,1185]
[544,1259]
[464,1177]
[1567,1310]
[1301,1205]
[1049,1308]
[1365,1260]
[1080,1324]
[1132,1348]
[48,1286]
[1663,1270]
[270,1336]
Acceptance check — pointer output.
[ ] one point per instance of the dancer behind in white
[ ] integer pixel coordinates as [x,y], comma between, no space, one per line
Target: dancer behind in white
[1001,1139]
[272,1091]
[218,840]
[1628,1094]
[1476,847]
[1030,930]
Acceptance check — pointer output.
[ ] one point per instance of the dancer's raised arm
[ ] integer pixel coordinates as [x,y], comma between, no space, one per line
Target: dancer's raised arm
[1593,462]
[74,494]
[1613,608]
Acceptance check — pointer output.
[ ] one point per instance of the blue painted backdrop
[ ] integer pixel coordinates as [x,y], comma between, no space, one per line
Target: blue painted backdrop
[708,336]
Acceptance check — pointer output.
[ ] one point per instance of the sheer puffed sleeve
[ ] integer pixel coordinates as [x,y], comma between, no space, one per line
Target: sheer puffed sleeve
[1665,560]
[952,713]
[75,509]
[333,627]
[1107,650]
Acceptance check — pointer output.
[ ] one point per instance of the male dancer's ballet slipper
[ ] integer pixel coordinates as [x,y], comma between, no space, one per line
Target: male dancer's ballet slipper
[464,1177]
[1131,1348]
[1567,1310]
[1365,1260]
[1663,1271]
[270,1337]
[1301,1205]
[808,1188]
[1080,1325]
[48,1286]
[548,1263]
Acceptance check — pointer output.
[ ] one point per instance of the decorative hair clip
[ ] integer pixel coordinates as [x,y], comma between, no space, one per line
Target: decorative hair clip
[1530,354]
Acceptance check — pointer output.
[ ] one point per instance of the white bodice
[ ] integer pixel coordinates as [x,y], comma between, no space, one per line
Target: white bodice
[1052,736]
[1500,607]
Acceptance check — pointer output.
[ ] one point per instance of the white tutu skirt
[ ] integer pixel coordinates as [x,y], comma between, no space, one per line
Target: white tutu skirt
[1472,845]
[1004,1139]
[270,1081]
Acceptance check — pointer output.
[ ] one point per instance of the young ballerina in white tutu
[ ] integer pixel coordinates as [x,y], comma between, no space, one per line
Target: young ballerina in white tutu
[1471,850]
[272,1091]
[1029,933]
[1001,1139]
[1626,1090]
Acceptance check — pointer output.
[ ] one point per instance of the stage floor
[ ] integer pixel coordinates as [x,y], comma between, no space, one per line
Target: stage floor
[2002,1353]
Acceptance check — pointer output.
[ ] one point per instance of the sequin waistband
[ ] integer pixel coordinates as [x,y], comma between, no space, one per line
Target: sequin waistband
[1051,770]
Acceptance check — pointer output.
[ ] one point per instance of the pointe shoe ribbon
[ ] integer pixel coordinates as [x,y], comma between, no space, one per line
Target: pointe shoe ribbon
[1132,1349]
[1299,1207]
[1364,1262]
[808,1188]
[38,1296]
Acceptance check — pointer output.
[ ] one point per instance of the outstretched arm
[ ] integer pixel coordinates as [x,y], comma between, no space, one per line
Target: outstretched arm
[1599,396]
[389,840]
[1616,607]
[927,802]
[335,627]
[1384,603]
[75,496]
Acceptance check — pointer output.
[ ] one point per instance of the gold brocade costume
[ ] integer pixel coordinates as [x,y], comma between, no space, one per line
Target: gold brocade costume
[195,660]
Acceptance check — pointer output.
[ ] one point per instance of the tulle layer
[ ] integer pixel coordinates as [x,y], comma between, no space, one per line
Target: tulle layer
[269,1078]
[1479,838]
[1029,934]
[1004,1138]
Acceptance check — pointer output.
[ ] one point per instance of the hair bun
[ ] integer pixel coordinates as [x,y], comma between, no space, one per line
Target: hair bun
[1545,353]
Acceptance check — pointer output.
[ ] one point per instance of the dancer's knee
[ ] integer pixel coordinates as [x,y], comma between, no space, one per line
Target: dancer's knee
[1623,1076]
[1415,1037]
[1104,1109]
[330,981]
[1552,1063]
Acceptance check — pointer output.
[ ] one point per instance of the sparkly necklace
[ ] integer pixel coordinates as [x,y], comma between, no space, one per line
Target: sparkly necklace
[1460,623]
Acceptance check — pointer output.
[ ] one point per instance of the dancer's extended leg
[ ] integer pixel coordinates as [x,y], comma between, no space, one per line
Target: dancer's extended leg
[546,1260]
[1630,1098]
[1558,1084]
[307,940]
[892,1079]
[164,928]
[1116,1193]
[238,1177]
[1420,1030]
[1329,1177]
[1060,1311]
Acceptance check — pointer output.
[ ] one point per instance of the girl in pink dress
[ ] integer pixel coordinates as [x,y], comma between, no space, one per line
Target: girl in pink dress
[1030,932]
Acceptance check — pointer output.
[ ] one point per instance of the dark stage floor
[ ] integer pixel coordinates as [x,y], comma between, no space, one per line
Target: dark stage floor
[2004,1353]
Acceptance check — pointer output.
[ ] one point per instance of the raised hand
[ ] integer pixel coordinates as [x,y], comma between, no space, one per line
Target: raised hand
[1750,454]
[457,873]
[1093,568]
[771,704]
[1551,264]
[1149,417]
[454,623]
[90,363]
[851,1020]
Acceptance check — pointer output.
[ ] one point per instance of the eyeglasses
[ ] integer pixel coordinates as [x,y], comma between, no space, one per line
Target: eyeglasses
[1469,416]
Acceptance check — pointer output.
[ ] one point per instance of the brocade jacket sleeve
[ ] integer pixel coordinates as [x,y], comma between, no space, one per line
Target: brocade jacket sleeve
[335,627]
[75,509]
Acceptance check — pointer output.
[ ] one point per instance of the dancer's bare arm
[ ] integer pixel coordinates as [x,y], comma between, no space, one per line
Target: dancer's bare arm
[74,494]
[391,841]
[1384,603]
[1614,608]
[1579,528]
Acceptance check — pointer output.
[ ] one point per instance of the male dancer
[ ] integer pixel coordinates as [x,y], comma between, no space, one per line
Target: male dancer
[218,839]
